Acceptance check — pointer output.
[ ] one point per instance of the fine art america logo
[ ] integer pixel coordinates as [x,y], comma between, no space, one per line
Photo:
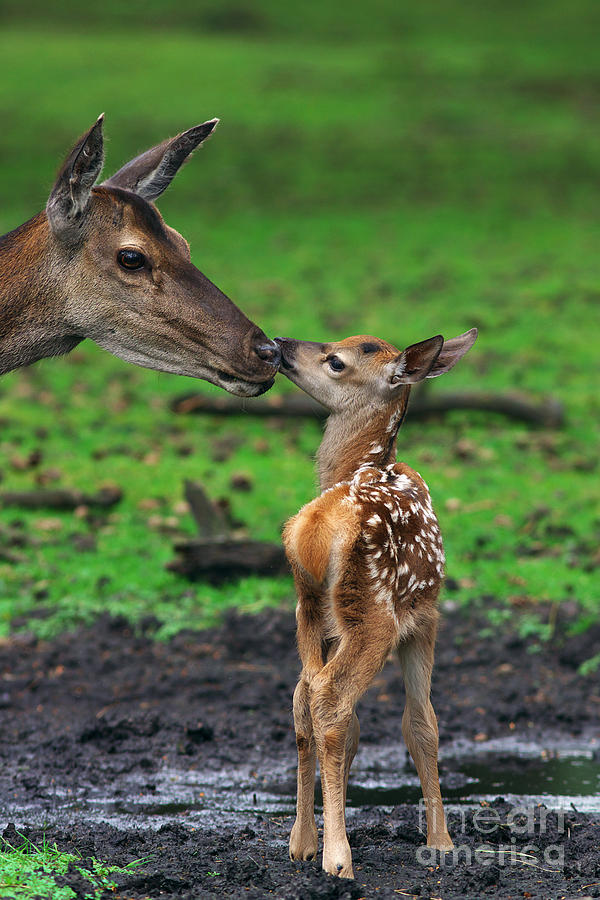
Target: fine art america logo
[502,839]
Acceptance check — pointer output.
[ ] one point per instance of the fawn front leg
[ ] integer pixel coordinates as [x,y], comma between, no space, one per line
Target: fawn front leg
[420,731]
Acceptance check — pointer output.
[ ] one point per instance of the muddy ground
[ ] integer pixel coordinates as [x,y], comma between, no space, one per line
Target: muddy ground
[97,721]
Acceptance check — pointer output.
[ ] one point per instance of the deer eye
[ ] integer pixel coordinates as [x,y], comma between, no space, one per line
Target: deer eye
[336,364]
[131,259]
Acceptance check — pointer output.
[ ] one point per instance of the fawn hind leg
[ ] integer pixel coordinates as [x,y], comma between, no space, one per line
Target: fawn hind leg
[420,729]
[334,693]
[303,838]
[353,733]
[304,841]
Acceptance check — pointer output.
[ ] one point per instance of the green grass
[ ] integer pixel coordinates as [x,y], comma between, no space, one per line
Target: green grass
[400,174]
[27,872]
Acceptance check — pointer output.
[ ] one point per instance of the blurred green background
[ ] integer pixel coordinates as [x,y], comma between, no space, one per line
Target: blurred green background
[388,168]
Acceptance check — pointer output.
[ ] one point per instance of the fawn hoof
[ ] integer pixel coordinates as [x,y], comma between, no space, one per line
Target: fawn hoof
[304,842]
[338,862]
[441,842]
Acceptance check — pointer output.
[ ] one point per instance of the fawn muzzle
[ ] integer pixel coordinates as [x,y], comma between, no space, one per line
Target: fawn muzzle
[286,353]
[290,348]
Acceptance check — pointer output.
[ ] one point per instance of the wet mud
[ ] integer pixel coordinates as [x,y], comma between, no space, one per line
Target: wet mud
[183,753]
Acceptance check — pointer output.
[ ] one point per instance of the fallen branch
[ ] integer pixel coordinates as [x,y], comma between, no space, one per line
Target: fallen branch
[227,559]
[61,498]
[215,556]
[548,413]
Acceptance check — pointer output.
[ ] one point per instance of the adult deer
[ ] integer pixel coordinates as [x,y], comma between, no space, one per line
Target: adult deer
[368,564]
[101,263]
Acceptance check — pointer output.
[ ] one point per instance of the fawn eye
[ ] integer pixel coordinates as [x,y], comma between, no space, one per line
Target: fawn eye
[131,259]
[336,364]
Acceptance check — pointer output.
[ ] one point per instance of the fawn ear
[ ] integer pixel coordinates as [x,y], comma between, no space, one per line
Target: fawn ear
[415,363]
[151,173]
[70,195]
[452,351]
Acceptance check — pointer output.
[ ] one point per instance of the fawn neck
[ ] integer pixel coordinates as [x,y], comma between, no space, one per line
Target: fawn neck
[364,436]
[32,310]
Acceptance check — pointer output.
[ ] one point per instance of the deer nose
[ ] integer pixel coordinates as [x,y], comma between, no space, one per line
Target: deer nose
[270,352]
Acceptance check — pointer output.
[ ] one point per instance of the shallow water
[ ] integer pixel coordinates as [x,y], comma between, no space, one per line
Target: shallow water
[557,782]
[561,776]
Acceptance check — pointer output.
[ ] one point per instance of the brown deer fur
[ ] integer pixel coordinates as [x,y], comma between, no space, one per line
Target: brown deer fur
[368,564]
[61,279]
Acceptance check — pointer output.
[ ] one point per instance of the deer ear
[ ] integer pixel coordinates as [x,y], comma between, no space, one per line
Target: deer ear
[70,195]
[415,363]
[151,173]
[452,351]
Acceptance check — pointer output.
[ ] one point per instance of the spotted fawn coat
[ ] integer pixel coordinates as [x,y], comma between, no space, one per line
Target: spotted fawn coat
[385,551]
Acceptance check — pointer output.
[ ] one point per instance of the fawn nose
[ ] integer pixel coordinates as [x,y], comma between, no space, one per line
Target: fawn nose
[269,352]
[286,352]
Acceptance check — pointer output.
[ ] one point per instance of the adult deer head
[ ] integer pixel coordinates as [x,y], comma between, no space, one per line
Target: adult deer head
[102,264]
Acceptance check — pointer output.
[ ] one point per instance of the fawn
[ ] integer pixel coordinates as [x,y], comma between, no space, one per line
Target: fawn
[368,563]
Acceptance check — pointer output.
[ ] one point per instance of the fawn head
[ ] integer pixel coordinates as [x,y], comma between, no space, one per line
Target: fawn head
[127,279]
[363,371]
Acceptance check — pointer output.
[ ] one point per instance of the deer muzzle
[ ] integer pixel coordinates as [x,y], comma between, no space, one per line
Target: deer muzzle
[290,349]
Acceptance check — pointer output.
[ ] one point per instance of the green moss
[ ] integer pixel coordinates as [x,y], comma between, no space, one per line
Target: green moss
[398,174]
[27,872]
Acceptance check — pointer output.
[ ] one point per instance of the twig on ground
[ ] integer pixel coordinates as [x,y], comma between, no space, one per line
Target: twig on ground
[209,519]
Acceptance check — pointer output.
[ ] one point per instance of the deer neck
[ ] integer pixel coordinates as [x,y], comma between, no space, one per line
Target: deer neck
[32,309]
[361,437]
